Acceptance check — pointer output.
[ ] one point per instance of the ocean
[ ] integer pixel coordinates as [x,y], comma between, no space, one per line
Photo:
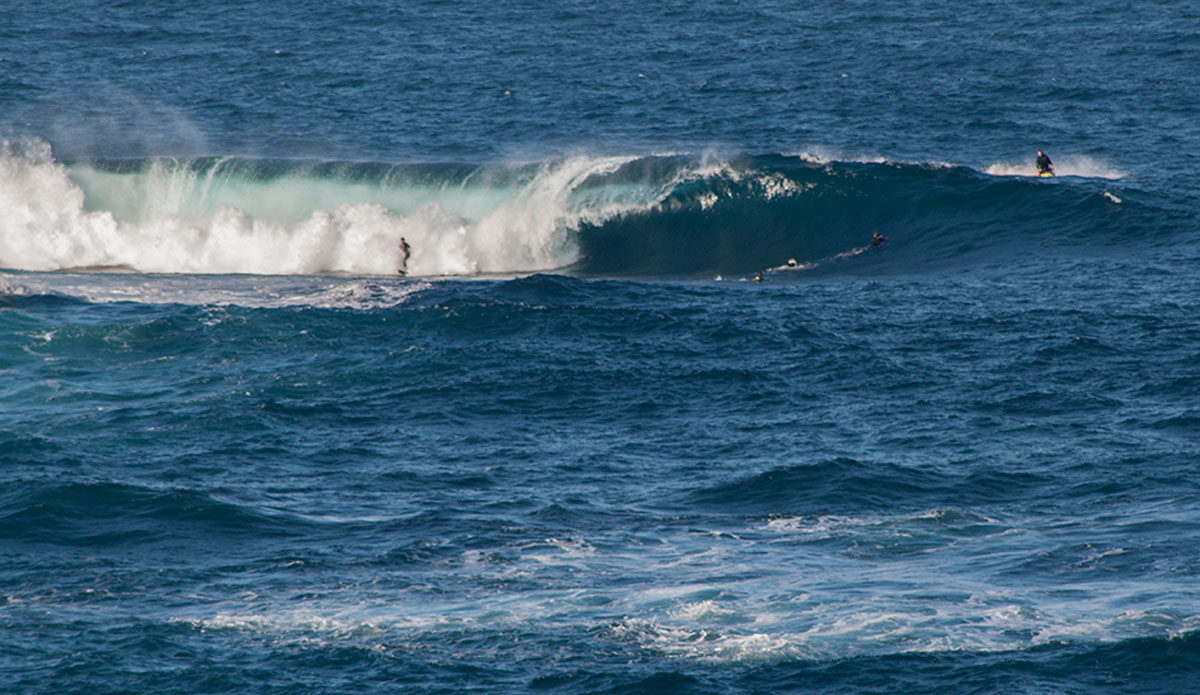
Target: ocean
[645,410]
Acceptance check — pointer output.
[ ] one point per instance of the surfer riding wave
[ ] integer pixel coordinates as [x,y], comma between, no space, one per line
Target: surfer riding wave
[1044,166]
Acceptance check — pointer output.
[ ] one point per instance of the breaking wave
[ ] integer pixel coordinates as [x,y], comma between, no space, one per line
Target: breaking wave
[588,215]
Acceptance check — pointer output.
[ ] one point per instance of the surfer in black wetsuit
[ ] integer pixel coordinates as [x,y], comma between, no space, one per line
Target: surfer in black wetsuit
[407,252]
[877,240]
[1044,165]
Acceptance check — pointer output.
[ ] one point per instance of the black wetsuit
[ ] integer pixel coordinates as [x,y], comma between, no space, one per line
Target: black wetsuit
[407,252]
[1044,164]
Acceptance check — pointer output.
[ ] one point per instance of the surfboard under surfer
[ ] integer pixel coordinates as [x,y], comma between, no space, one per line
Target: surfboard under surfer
[1044,166]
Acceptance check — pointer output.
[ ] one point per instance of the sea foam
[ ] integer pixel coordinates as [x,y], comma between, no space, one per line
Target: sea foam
[175,217]
[1066,165]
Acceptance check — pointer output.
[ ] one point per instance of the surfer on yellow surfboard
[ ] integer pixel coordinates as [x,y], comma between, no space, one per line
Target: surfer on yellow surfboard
[1044,166]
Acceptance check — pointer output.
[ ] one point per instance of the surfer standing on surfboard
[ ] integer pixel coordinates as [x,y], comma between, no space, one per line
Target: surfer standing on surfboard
[1044,166]
[407,251]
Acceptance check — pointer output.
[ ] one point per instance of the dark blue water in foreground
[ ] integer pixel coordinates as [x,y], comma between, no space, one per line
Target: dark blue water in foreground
[577,448]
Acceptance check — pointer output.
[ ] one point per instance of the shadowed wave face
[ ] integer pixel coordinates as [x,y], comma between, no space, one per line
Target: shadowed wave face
[757,212]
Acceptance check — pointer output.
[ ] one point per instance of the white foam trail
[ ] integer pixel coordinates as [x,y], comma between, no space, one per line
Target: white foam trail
[1066,165]
[170,221]
[249,291]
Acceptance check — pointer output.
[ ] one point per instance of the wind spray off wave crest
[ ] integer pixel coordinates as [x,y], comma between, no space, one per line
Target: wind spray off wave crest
[246,216]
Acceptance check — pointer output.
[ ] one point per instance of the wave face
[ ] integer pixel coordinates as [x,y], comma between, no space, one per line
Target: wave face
[625,216]
[756,212]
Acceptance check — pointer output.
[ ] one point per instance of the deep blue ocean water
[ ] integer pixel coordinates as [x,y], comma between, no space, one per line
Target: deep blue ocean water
[602,437]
